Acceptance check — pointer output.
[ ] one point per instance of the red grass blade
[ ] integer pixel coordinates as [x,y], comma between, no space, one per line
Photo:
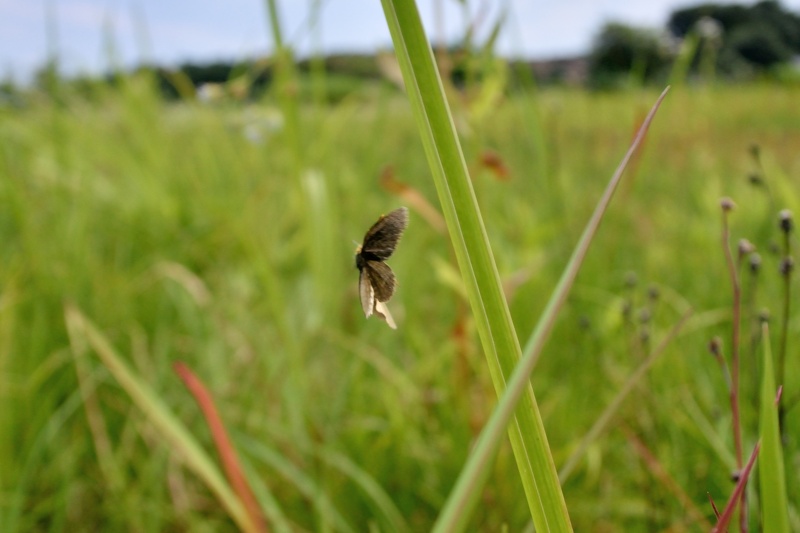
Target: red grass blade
[227,454]
[727,514]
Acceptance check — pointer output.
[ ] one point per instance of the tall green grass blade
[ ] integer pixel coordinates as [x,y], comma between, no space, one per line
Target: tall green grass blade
[466,491]
[771,474]
[682,64]
[471,244]
[539,336]
[286,84]
[182,442]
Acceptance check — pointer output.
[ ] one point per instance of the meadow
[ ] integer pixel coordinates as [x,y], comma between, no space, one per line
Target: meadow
[221,234]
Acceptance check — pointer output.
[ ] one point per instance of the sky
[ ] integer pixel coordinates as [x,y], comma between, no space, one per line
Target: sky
[90,36]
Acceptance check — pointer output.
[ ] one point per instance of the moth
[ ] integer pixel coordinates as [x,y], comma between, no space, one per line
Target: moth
[376,281]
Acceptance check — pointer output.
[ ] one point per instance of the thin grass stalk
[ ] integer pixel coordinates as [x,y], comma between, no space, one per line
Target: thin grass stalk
[693,515]
[727,206]
[474,255]
[476,470]
[602,421]
[539,336]
[286,84]
[285,88]
[786,226]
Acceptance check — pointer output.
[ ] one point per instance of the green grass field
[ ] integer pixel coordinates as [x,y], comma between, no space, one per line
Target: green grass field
[222,235]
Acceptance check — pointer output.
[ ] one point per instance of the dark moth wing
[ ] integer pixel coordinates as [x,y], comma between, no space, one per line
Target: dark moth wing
[381,239]
[376,281]
[381,278]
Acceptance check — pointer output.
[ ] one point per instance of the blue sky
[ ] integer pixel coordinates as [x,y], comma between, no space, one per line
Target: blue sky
[169,32]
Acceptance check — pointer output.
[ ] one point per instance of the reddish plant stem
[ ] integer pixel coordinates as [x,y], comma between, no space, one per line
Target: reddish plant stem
[734,388]
[787,298]
[725,517]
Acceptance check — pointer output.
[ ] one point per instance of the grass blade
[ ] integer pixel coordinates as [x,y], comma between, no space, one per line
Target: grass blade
[476,470]
[181,441]
[474,255]
[771,474]
[602,421]
[730,507]
[328,516]
[225,449]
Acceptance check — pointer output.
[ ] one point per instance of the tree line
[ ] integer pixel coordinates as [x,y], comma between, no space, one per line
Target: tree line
[720,41]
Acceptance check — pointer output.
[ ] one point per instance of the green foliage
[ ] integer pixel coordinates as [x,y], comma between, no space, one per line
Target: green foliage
[183,231]
[749,38]
[620,51]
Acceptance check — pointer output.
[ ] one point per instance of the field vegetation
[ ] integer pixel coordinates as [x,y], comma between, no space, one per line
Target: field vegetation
[220,233]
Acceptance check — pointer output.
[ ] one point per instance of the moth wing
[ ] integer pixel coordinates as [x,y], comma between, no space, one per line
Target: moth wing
[366,292]
[383,311]
[381,279]
[382,238]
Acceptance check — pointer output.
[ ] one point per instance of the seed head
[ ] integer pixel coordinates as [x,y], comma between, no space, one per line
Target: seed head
[746,247]
[755,151]
[785,221]
[787,265]
[715,347]
[755,179]
[755,263]
[653,293]
[727,204]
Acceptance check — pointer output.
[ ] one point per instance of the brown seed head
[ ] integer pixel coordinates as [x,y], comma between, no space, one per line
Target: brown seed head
[755,179]
[727,204]
[787,265]
[785,221]
[755,263]
[715,346]
[746,247]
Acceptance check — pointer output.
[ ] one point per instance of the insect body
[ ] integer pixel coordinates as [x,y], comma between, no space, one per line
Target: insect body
[376,281]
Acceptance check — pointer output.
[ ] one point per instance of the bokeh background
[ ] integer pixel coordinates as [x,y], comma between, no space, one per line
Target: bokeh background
[189,183]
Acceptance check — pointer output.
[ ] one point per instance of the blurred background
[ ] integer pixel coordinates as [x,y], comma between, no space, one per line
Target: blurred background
[93,37]
[189,183]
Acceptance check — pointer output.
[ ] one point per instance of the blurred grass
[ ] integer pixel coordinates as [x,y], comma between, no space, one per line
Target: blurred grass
[185,232]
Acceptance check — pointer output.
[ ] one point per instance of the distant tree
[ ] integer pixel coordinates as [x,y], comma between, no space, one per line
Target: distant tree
[752,37]
[620,50]
[683,21]
[207,73]
[47,77]
[759,45]
[10,92]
